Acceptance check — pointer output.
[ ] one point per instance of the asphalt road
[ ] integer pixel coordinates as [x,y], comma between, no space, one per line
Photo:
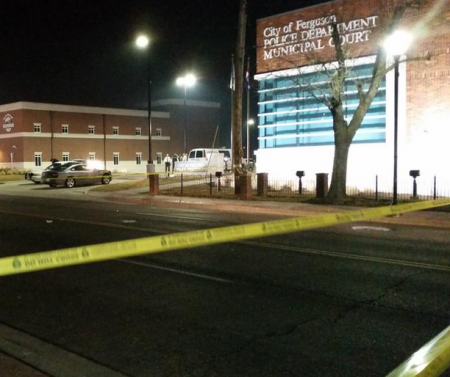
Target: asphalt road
[331,302]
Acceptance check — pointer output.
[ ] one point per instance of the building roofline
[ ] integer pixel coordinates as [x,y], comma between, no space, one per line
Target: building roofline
[80,109]
[296,10]
[180,102]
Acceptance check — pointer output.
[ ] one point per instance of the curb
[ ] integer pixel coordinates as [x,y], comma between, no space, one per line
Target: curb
[11,367]
[432,219]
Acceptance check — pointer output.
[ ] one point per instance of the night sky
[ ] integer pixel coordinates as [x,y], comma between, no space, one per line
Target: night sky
[82,52]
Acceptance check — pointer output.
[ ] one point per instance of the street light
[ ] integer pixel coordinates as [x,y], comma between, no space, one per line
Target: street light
[187,81]
[396,45]
[142,43]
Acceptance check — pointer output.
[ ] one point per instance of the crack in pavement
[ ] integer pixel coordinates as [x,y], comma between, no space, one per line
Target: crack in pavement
[375,300]
[284,330]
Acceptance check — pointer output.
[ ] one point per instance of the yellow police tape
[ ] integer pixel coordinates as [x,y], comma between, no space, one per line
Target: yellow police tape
[430,361]
[121,249]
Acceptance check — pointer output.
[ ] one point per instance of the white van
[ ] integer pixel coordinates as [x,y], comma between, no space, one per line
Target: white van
[205,160]
[203,154]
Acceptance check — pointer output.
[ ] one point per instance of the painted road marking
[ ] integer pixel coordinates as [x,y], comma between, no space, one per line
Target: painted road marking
[398,262]
[174,270]
[369,228]
[178,217]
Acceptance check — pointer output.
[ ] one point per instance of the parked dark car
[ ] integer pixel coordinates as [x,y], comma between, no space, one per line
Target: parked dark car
[36,175]
[71,175]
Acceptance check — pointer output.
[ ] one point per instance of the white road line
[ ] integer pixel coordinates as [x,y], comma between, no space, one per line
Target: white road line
[369,228]
[363,258]
[181,272]
[177,217]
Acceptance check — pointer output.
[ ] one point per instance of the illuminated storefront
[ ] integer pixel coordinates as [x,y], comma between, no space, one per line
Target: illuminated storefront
[295,63]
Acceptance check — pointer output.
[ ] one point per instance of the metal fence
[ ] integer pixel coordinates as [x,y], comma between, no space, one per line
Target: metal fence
[208,185]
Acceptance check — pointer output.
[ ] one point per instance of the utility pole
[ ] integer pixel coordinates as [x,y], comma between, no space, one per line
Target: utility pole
[238,96]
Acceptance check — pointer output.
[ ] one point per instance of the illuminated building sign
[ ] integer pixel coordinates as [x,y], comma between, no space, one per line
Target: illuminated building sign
[305,36]
[8,122]
[298,37]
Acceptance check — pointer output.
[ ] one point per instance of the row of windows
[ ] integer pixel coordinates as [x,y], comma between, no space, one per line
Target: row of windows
[323,138]
[91,130]
[66,157]
[291,112]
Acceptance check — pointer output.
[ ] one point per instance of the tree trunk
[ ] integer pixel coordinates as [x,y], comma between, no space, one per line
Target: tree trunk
[337,192]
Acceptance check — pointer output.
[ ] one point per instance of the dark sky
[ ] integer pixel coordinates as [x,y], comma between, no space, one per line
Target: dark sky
[82,52]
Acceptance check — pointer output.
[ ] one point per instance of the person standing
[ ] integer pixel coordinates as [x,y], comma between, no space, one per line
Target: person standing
[174,159]
[167,161]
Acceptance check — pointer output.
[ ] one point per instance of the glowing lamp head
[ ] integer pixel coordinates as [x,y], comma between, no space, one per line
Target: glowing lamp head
[398,43]
[187,81]
[142,41]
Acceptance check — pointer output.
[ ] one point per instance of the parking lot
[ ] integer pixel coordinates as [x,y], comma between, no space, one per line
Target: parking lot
[28,188]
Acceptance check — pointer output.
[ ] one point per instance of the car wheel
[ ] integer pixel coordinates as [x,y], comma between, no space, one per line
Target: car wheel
[106,179]
[70,182]
[52,184]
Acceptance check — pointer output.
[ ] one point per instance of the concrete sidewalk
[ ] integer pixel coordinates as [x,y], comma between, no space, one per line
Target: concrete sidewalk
[10,367]
[435,218]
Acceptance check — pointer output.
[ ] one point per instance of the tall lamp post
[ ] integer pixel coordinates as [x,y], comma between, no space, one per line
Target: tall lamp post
[186,81]
[142,42]
[396,45]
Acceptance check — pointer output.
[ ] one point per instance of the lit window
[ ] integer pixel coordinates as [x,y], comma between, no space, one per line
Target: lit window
[37,158]
[291,116]
[138,158]
[65,128]
[116,159]
[115,130]
[159,158]
[65,156]
[91,130]
[91,156]
[138,131]
[159,132]
[37,127]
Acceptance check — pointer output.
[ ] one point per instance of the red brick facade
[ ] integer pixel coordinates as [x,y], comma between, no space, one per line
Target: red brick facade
[302,37]
[53,130]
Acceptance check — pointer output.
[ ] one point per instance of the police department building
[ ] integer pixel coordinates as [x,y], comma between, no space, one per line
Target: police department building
[296,127]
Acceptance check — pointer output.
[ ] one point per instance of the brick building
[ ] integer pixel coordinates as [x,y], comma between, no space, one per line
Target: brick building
[296,128]
[117,139]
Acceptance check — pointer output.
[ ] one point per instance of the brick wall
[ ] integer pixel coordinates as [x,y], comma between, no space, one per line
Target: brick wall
[24,142]
[367,22]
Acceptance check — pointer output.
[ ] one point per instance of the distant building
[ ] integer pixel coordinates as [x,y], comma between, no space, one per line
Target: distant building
[33,133]
[295,128]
